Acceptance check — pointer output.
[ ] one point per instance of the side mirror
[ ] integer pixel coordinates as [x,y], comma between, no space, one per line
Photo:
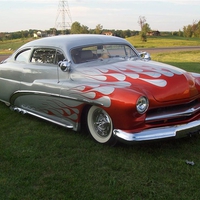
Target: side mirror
[65,65]
[145,56]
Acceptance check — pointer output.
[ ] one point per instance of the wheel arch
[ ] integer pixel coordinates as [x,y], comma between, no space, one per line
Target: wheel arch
[83,117]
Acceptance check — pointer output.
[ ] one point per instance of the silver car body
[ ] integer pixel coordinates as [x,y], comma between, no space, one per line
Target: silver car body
[136,98]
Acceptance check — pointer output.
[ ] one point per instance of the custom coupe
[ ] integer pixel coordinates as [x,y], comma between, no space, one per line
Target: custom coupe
[103,83]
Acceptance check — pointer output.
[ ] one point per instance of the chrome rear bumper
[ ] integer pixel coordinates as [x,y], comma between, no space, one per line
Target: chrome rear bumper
[176,131]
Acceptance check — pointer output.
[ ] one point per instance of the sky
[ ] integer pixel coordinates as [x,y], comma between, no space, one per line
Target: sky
[161,15]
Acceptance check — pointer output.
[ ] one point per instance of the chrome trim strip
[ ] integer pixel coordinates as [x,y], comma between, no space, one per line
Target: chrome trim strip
[7,103]
[42,117]
[19,93]
[175,131]
[181,113]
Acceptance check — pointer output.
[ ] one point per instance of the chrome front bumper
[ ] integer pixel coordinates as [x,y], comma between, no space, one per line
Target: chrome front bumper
[176,131]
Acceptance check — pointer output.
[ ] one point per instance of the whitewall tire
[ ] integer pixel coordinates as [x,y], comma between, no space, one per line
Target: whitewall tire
[100,125]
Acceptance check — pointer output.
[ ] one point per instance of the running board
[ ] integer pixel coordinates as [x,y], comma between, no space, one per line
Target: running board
[20,110]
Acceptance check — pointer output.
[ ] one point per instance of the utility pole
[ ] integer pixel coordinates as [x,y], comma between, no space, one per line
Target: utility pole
[63,13]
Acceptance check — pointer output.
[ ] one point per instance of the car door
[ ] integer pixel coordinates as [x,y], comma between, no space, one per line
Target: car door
[40,80]
[11,74]
[41,72]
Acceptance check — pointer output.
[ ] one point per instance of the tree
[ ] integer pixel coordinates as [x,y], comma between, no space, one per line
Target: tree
[2,35]
[144,28]
[187,31]
[76,28]
[141,21]
[127,33]
[180,33]
[119,33]
[196,29]
[98,29]
[143,36]
[84,29]
[192,30]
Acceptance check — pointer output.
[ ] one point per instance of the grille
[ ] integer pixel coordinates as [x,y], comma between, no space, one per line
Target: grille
[173,113]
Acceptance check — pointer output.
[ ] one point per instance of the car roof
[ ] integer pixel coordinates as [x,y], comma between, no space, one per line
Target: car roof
[68,42]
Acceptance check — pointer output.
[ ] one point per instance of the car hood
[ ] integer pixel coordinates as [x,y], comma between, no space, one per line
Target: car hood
[163,82]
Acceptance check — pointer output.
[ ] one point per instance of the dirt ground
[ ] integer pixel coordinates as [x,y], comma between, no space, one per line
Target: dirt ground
[3,57]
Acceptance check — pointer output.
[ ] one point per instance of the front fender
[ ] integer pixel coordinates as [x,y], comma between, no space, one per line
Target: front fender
[122,109]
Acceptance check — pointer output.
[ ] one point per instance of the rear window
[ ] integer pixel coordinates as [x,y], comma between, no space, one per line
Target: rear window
[23,56]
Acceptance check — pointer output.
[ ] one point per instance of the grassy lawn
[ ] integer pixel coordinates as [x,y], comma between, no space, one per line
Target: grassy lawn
[8,46]
[163,41]
[188,60]
[40,160]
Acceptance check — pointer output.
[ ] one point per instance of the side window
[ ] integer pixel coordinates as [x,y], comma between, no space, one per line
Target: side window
[44,55]
[59,57]
[85,54]
[23,56]
[130,52]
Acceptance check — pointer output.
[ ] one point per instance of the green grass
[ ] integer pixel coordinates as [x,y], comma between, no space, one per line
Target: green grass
[188,60]
[39,160]
[8,46]
[163,41]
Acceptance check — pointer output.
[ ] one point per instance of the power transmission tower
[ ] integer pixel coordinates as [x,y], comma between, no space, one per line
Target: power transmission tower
[63,13]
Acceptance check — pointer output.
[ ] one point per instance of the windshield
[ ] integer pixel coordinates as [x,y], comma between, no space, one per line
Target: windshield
[98,52]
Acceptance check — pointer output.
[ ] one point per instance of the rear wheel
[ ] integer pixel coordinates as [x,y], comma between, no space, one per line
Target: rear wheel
[100,126]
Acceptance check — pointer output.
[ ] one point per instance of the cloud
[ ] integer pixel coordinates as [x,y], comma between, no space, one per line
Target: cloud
[112,14]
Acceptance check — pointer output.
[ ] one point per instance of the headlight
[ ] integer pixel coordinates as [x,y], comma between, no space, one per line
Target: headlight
[142,105]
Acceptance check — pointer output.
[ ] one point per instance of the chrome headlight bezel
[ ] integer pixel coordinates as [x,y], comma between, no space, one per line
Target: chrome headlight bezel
[142,104]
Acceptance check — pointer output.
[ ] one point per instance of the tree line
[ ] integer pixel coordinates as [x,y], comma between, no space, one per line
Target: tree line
[76,28]
[191,30]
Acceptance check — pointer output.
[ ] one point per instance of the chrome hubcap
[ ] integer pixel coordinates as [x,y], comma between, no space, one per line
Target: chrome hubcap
[102,123]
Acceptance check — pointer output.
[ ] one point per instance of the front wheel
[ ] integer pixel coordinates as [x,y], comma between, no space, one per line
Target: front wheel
[100,126]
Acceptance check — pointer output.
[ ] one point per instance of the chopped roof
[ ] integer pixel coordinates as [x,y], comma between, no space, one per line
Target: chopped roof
[70,41]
